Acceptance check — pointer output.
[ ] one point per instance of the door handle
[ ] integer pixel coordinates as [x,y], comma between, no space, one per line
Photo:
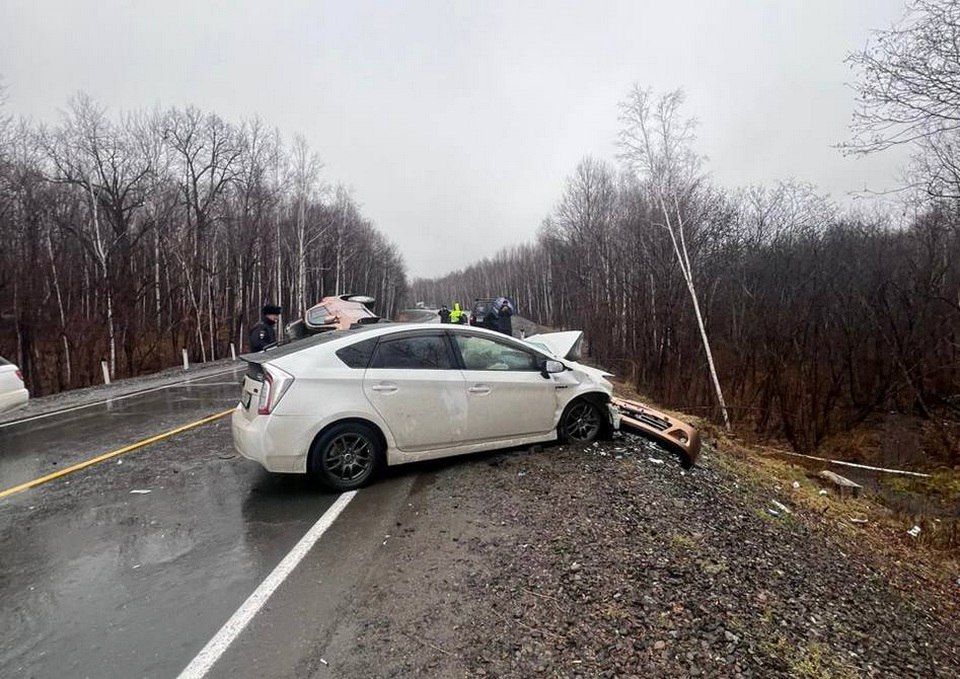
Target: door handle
[384,388]
[479,389]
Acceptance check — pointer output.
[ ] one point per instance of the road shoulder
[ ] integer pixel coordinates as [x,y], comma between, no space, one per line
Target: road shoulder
[610,560]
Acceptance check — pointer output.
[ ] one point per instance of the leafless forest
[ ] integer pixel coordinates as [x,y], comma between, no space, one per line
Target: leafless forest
[129,237]
[771,305]
[772,309]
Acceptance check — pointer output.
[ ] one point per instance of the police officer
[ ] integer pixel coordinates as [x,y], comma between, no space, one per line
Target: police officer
[264,333]
[444,314]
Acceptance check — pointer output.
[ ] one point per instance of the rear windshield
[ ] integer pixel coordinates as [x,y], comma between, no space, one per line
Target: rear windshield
[294,346]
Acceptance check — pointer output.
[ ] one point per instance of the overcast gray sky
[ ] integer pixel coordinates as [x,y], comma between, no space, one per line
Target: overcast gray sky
[455,123]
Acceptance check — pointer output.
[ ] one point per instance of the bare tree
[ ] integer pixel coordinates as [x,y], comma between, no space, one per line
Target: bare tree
[306,168]
[135,236]
[656,142]
[908,92]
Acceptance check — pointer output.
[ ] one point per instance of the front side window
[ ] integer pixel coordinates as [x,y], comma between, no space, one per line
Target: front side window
[424,352]
[481,353]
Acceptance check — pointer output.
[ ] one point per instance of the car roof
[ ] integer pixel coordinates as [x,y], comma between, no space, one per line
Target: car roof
[370,331]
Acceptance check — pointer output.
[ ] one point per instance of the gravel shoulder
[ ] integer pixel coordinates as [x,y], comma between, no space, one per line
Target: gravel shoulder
[122,387]
[610,561]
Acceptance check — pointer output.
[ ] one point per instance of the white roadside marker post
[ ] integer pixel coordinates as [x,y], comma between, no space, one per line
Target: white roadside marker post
[106,372]
[186,361]
[233,351]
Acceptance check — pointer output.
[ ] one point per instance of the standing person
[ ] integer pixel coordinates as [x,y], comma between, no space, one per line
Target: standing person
[264,333]
[504,322]
[490,321]
[444,314]
[456,315]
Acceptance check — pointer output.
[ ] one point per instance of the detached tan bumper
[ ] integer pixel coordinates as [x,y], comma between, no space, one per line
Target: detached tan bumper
[673,433]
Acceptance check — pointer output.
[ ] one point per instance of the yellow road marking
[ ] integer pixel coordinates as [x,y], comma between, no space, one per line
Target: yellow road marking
[106,456]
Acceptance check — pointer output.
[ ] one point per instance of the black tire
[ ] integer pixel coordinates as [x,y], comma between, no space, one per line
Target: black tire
[347,456]
[581,422]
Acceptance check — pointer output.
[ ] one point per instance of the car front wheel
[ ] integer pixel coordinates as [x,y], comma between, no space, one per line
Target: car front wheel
[582,422]
[346,456]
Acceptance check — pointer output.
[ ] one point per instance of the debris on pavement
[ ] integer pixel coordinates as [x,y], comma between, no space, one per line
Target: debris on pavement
[914,532]
[139,491]
[655,460]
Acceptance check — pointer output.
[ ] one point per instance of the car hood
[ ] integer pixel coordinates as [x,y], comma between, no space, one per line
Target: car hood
[560,344]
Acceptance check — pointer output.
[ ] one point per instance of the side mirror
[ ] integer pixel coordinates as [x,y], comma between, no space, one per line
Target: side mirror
[551,367]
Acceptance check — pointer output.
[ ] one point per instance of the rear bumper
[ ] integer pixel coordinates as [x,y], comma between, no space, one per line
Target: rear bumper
[673,433]
[265,439]
[14,399]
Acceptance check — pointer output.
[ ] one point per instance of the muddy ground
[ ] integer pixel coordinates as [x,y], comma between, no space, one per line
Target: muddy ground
[610,561]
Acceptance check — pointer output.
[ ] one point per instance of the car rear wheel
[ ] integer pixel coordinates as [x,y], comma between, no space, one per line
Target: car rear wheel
[582,422]
[346,456]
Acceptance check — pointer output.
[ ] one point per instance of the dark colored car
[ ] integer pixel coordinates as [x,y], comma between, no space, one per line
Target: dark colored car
[482,305]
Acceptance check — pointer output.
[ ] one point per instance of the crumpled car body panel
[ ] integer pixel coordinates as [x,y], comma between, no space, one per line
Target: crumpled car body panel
[339,312]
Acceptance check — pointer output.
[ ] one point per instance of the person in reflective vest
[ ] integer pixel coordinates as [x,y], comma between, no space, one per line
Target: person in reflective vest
[457,316]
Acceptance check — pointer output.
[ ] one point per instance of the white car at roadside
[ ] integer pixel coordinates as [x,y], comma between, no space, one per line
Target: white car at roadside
[13,393]
[343,404]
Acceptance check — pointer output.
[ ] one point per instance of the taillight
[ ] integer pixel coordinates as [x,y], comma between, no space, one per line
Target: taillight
[263,407]
[275,385]
[20,375]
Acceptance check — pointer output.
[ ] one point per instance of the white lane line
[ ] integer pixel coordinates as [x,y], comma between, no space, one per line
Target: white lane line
[70,409]
[232,628]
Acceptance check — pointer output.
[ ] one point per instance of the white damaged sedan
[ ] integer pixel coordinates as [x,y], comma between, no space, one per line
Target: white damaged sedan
[341,405]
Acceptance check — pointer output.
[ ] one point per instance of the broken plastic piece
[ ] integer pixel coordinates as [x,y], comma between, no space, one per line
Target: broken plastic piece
[139,491]
[782,507]
[914,532]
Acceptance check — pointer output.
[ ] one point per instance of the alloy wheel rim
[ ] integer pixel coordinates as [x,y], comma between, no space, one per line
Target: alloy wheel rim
[348,457]
[583,423]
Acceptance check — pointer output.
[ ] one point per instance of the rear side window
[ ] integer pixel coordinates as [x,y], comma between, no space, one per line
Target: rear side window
[4,361]
[424,352]
[358,355]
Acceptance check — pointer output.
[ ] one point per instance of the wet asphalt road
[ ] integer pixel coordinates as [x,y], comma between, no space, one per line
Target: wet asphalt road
[96,581]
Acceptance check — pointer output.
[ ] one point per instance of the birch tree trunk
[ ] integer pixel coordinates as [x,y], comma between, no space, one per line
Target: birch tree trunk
[60,311]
